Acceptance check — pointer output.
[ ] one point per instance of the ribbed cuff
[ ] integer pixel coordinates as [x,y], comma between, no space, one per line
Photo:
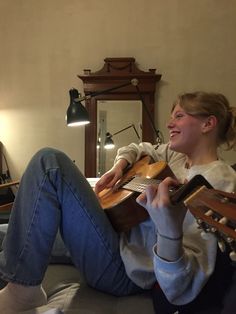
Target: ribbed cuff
[169,249]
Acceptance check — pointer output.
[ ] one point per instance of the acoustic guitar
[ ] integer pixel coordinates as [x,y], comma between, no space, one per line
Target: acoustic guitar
[214,210]
[119,202]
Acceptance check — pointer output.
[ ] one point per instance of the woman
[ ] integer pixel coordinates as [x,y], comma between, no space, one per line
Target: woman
[53,194]
[200,123]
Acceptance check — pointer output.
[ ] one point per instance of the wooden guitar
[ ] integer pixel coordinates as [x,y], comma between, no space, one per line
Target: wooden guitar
[120,203]
[215,212]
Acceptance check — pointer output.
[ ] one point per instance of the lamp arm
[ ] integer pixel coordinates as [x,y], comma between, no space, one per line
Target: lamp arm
[157,132]
[135,130]
[130,126]
[132,82]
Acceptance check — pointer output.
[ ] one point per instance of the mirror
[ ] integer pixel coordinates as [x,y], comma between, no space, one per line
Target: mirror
[121,119]
[115,72]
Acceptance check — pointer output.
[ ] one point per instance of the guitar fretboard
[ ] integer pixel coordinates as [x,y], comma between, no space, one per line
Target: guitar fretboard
[139,184]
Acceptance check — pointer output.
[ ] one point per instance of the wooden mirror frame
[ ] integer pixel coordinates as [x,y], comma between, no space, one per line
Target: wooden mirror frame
[115,72]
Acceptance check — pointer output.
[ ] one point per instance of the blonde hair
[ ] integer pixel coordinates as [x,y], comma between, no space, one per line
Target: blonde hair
[207,104]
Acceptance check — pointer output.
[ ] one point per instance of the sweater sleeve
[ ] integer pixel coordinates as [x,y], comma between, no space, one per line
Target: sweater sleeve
[134,152]
[182,280]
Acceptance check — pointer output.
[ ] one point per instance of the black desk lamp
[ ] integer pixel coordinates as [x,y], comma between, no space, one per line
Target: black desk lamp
[109,144]
[78,115]
[76,112]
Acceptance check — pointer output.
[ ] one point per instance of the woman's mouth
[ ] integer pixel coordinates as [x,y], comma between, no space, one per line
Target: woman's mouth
[173,133]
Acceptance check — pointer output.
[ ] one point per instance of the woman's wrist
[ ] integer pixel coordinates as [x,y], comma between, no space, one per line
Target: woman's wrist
[169,248]
[172,238]
[122,164]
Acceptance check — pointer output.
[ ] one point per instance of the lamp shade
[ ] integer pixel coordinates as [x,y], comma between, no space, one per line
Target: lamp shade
[109,144]
[76,113]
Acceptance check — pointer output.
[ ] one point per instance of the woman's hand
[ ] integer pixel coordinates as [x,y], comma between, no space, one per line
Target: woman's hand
[167,218]
[110,178]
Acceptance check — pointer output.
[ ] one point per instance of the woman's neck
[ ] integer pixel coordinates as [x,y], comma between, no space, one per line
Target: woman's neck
[201,157]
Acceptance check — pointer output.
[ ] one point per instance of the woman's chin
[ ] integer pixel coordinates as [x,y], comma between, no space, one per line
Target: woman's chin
[173,146]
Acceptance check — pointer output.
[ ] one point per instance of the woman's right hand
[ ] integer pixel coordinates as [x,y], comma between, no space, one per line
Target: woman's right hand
[110,178]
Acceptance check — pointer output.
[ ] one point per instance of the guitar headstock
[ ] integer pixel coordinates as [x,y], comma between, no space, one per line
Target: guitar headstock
[215,212]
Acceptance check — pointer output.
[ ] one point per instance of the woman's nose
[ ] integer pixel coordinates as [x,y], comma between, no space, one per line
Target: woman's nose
[170,124]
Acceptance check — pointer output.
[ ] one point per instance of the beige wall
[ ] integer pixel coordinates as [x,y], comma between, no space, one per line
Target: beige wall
[46,43]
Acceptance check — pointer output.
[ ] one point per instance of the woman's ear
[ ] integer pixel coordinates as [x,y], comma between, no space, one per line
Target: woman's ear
[209,124]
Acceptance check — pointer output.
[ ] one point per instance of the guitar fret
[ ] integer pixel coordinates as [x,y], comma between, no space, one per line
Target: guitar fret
[139,184]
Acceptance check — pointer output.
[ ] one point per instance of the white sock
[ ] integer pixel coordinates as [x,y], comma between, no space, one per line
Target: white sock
[15,298]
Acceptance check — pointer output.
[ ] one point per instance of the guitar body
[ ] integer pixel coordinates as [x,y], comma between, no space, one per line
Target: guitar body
[120,204]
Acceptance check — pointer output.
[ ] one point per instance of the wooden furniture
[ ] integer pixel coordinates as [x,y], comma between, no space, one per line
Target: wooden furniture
[115,72]
[6,196]
[6,208]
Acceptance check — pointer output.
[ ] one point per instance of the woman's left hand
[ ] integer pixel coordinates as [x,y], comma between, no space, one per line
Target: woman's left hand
[167,217]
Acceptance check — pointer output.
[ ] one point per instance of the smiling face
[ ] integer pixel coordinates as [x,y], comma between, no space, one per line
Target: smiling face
[201,122]
[186,131]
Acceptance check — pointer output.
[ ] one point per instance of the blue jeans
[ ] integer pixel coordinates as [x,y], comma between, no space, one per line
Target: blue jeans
[54,196]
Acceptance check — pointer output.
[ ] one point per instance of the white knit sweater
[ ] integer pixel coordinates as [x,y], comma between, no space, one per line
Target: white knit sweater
[183,279]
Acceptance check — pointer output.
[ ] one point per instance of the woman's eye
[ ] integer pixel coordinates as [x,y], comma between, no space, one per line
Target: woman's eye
[179,115]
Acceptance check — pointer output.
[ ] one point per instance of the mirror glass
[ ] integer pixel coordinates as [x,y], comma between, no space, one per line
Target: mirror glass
[121,117]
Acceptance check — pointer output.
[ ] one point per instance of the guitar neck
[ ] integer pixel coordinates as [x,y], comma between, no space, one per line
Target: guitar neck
[139,184]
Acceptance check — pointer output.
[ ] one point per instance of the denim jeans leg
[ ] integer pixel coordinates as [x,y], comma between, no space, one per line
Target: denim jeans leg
[53,195]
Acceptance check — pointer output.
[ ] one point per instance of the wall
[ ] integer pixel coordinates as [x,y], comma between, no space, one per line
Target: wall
[46,43]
